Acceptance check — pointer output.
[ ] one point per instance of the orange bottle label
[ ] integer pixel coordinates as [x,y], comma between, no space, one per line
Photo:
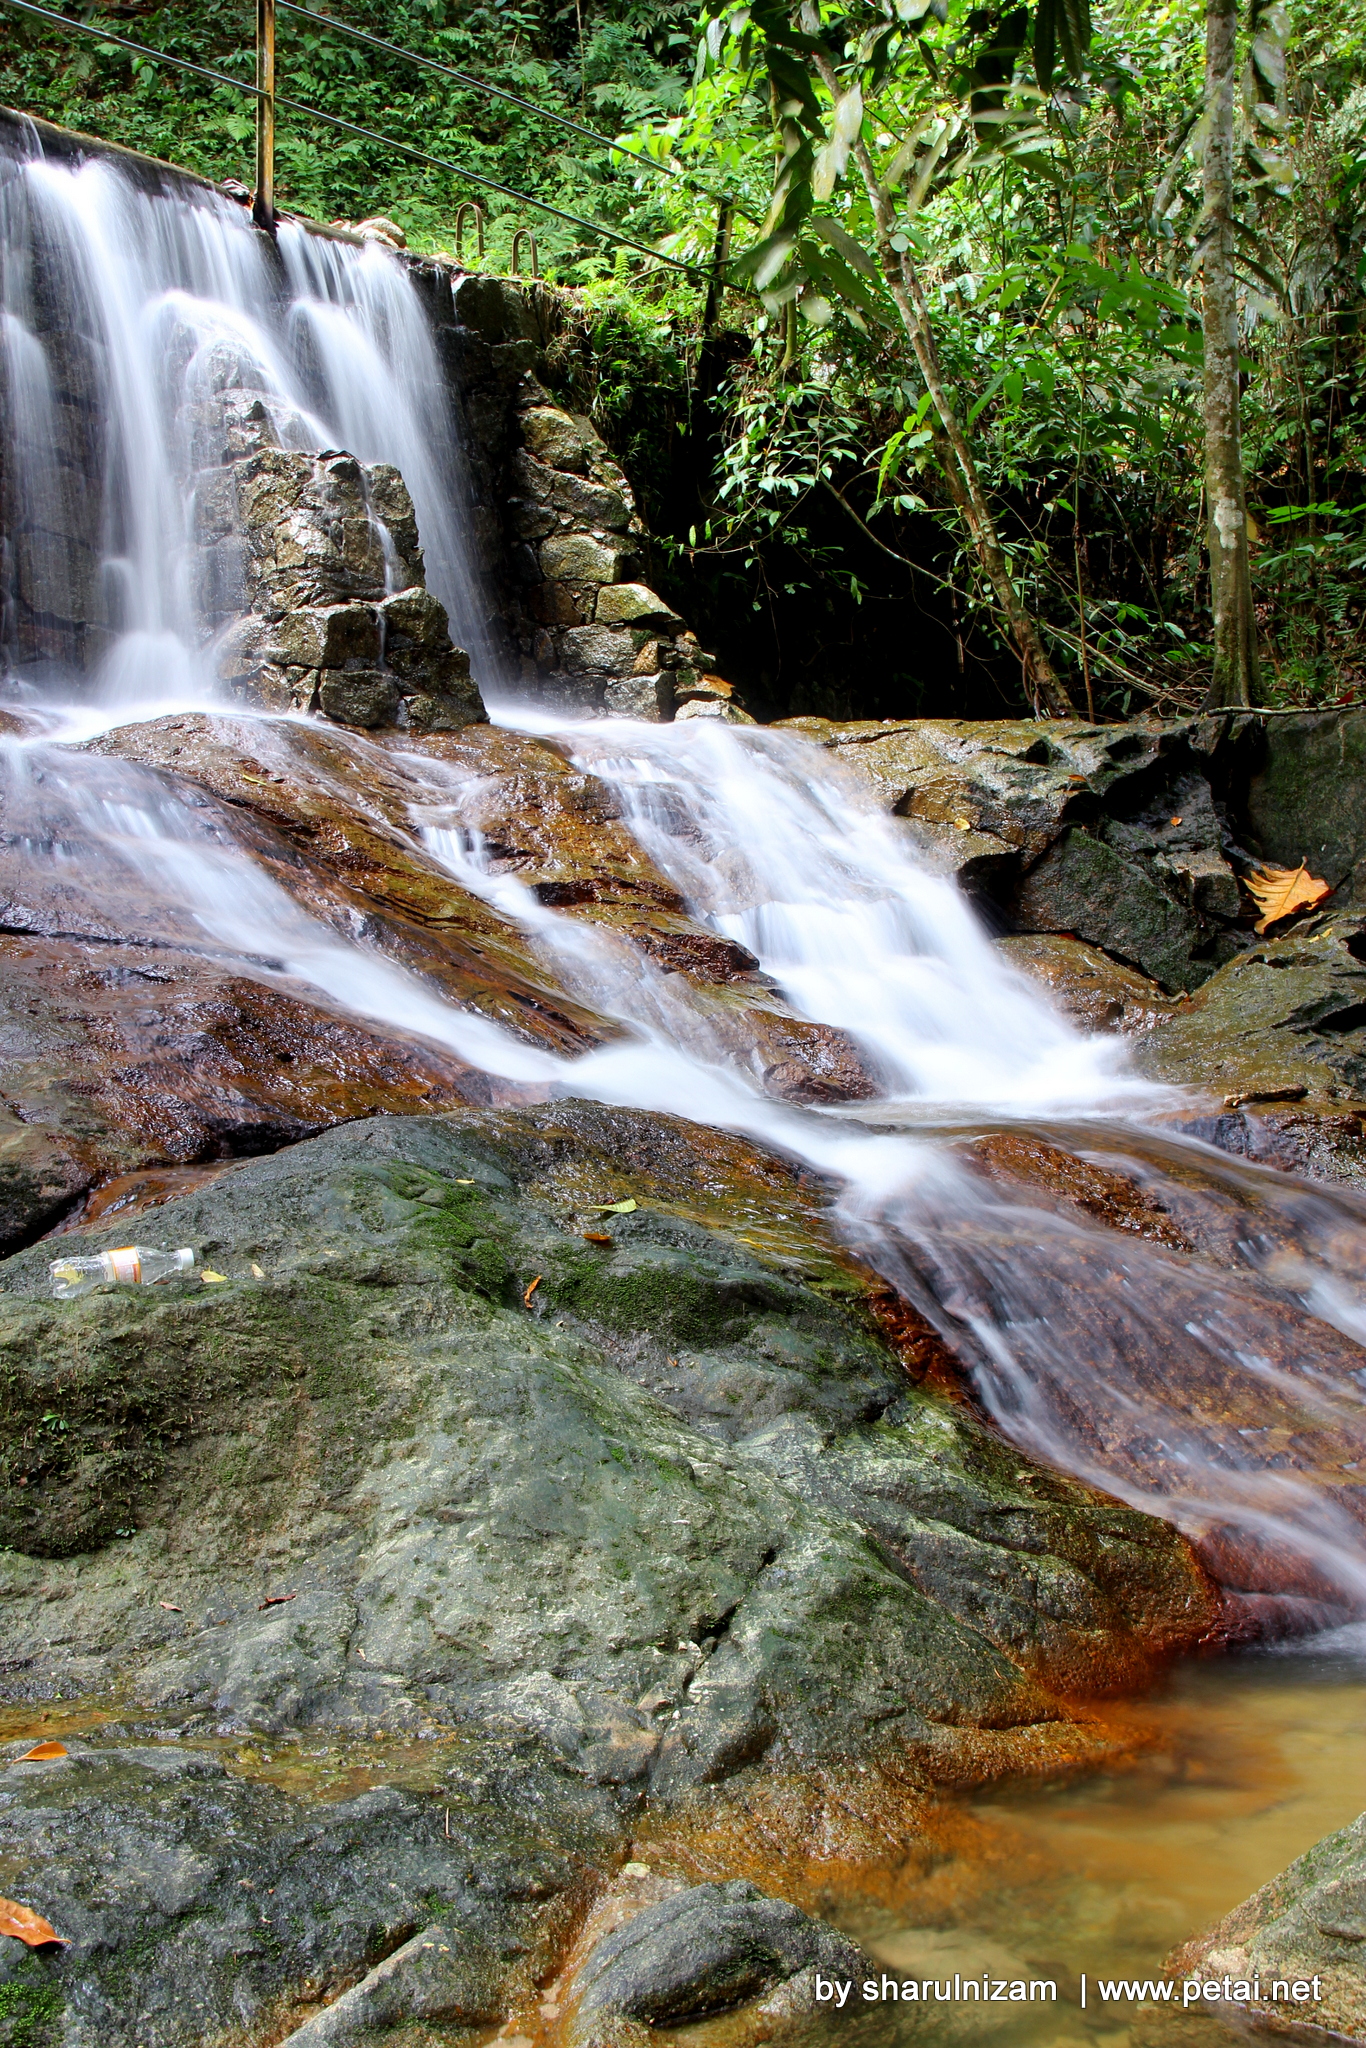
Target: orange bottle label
[126,1263]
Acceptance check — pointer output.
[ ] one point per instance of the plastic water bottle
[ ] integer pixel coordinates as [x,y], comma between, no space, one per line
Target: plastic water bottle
[133,1264]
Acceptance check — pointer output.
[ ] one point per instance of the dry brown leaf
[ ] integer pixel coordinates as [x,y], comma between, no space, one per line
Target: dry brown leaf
[27,1926]
[1284,892]
[275,1600]
[526,1298]
[596,1237]
[41,1751]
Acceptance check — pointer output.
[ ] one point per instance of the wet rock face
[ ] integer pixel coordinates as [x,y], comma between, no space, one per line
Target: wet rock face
[1094,990]
[130,1044]
[1117,836]
[197,1900]
[672,1510]
[1300,1935]
[704,1951]
[339,619]
[1113,856]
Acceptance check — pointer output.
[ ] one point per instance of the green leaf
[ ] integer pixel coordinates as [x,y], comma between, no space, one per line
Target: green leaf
[839,238]
[1062,28]
[834,273]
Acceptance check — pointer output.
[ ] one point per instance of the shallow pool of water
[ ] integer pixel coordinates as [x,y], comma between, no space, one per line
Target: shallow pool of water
[1246,1763]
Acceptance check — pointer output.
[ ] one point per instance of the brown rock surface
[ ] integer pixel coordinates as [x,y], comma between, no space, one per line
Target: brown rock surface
[111,1065]
[327,817]
[1132,1341]
[1072,1184]
[1095,991]
[1298,1941]
[136,1042]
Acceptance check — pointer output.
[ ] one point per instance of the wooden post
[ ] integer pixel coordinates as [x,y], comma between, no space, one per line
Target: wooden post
[263,204]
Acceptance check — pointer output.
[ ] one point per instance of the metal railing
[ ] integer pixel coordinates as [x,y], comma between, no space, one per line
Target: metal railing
[269,100]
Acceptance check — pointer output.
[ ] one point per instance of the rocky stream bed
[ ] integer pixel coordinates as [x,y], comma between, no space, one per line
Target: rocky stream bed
[551,1569]
[449,1612]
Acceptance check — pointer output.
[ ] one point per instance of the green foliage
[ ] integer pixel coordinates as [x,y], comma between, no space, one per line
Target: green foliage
[1043,170]
[599,64]
[1060,260]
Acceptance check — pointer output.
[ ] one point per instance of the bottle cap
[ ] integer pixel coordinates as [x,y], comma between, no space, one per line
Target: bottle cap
[184,1259]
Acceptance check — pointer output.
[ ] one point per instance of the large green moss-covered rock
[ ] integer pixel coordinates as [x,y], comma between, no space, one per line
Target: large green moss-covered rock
[1285,1021]
[204,1904]
[621,1494]
[430,1473]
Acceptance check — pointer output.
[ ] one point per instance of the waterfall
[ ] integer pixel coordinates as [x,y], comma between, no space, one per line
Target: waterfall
[126,312]
[1117,1358]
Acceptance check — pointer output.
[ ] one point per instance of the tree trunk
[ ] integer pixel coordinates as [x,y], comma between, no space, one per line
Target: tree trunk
[1235,677]
[1046,690]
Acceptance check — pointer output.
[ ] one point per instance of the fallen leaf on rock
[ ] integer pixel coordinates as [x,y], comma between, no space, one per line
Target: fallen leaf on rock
[596,1237]
[41,1751]
[170,1606]
[257,1270]
[212,1279]
[27,1926]
[526,1298]
[275,1600]
[614,1208]
[1173,821]
[1284,892]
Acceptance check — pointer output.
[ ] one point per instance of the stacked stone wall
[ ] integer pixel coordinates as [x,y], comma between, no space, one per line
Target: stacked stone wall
[562,541]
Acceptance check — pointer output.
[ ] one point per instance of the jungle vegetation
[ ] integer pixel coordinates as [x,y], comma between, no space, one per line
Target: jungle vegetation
[1017,301]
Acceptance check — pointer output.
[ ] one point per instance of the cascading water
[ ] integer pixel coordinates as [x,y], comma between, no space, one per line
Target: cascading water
[1131,1362]
[1113,1359]
[125,313]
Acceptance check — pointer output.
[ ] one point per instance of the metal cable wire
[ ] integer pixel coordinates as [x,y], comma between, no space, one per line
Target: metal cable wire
[368,134]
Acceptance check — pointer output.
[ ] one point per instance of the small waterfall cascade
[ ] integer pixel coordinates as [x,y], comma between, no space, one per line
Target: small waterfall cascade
[1133,1361]
[1124,1361]
[132,318]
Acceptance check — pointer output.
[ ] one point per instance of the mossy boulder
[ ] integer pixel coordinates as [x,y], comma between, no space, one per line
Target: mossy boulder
[199,1899]
[436,1472]
[509,1473]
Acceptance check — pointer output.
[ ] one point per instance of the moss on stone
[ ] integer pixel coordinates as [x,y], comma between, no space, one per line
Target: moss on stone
[30,2013]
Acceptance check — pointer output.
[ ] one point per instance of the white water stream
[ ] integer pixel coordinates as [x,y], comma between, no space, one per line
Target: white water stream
[1106,1355]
